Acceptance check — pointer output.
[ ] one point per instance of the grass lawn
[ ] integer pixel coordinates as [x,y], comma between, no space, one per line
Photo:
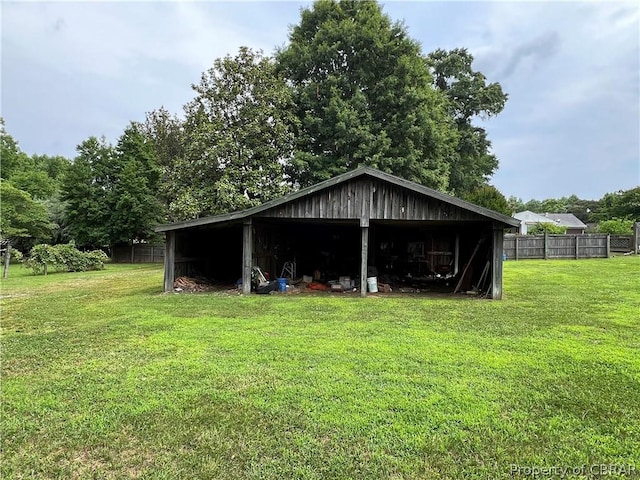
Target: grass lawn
[105,376]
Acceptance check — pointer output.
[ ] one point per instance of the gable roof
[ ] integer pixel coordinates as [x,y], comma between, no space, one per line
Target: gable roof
[530,217]
[359,172]
[568,220]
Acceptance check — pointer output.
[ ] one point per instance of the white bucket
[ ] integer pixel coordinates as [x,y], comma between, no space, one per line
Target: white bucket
[372,283]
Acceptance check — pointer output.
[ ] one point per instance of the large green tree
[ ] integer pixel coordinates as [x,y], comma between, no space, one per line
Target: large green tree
[11,157]
[134,206]
[23,221]
[363,96]
[21,217]
[110,192]
[470,97]
[39,175]
[165,134]
[30,185]
[237,138]
[85,191]
[489,197]
[623,204]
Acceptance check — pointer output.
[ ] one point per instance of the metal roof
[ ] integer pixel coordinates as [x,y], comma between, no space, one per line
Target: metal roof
[359,172]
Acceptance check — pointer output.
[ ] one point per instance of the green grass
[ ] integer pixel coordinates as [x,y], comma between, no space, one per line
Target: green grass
[105,376]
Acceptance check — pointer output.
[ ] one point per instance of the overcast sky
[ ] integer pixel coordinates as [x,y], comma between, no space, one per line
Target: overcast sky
[572,72]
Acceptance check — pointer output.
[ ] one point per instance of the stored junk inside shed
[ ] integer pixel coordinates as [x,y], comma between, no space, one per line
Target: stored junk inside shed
[364,224]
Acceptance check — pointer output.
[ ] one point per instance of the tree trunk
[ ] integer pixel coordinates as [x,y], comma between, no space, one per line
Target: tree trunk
[7,259]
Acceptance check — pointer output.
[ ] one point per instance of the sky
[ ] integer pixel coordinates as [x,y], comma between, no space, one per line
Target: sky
[571,125]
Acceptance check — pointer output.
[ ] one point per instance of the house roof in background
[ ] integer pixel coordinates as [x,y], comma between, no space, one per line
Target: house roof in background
[568,220]
[532,218]
[358,172]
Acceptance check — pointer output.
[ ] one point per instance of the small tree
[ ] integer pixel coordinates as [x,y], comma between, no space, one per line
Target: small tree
[41,258]
[22,220]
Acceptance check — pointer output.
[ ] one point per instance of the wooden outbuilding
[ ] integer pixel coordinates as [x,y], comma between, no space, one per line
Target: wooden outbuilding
[359,224]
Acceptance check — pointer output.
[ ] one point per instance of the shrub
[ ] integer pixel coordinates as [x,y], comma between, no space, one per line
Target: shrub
[96,259]
[546,227]
[615,226]
[64,257]
[41,258]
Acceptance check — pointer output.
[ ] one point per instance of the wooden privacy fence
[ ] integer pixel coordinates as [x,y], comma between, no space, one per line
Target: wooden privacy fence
[138,253]
[621,243]
[519,247]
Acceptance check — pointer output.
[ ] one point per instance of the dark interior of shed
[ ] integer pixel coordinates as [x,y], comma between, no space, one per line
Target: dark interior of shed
[418,256]
[213,254]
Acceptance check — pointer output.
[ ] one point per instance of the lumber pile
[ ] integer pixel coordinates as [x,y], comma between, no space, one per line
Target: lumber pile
[188,284]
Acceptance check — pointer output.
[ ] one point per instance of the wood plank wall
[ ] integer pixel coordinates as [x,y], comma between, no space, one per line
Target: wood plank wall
[370,198]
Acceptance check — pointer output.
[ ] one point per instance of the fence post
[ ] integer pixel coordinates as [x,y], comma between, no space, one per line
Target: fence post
[133,254]
[608,245]
[635,239]
[517,254]
[546,245]
[577,248]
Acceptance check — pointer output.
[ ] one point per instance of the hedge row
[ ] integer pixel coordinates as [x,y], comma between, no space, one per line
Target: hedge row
[66,258]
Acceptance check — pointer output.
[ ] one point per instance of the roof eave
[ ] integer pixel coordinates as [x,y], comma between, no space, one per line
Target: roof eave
[416,187]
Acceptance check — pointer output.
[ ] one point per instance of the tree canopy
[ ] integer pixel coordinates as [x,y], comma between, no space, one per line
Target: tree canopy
[85,192]
[623,205]
[237,138]
[26,183]
[363,96]
[470,97]
[489,197]
[350,88]
[110,192]
[21,216]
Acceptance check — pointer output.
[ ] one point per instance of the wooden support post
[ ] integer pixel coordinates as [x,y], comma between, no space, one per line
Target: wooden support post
[364,255]
[456,260]
[635,239]
[608,245]
[247,255]
[169,260]
[496,270]
[517,252]
[577,246]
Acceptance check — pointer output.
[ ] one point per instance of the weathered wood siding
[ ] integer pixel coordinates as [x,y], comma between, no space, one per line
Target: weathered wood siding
[372,199]
[520,247]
